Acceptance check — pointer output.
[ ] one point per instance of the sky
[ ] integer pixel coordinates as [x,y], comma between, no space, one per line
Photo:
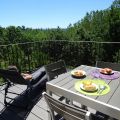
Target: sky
[47,13]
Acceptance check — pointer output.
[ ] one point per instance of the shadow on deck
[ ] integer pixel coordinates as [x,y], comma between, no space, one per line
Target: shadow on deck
[20,113]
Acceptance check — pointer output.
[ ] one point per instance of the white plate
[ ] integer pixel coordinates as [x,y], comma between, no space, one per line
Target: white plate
[82,87]
[107,73]
[73,73]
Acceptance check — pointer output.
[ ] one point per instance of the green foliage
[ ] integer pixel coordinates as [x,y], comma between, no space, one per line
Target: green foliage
[13,34]
[101,26]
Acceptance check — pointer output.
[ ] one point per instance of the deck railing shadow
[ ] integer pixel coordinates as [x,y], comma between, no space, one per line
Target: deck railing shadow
[20,113]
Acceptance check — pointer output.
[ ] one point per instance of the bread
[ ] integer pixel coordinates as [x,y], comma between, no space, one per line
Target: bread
[78,73]
[86,83]
[106,70]
[90,87]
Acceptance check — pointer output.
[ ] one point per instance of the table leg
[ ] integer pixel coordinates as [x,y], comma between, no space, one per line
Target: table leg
[49,115]
[84,107]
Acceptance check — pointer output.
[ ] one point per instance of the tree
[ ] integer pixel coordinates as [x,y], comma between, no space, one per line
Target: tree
[114,22]
[14,34]
[1,35]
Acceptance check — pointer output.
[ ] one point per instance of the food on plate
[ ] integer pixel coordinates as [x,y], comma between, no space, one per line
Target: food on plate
[106,70]
[79,73]
[89,86]
[86,83]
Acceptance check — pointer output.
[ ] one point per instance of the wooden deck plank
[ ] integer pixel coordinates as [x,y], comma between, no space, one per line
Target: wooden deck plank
[33,117]
[43,114]
[1,101]
[42,104]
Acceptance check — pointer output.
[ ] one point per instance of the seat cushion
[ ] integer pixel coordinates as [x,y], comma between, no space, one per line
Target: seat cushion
[37,75]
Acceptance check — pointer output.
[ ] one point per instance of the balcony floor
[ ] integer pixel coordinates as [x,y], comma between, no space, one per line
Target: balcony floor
[38,112]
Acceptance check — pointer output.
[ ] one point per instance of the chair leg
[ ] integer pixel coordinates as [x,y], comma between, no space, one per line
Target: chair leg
[6,91]
[28,91]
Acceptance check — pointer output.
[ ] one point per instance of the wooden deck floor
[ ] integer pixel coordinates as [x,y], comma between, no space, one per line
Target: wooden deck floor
[38,112]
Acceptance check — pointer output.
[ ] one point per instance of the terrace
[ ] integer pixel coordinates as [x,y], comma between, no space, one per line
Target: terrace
[28,56]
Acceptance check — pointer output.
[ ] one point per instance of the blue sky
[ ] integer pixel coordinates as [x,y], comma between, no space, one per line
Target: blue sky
[47,13]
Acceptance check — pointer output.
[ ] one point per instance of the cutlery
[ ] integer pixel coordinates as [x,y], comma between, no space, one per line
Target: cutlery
[101,88]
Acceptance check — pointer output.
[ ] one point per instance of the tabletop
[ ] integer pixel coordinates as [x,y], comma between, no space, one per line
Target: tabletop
[108,103]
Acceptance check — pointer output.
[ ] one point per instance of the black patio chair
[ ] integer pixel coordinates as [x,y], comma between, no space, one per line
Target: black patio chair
[102,64]
[13,77]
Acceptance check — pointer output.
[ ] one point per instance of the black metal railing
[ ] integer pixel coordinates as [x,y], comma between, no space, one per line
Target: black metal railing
[28,56]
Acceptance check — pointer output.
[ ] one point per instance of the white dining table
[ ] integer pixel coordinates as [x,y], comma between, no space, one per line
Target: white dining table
[108,104]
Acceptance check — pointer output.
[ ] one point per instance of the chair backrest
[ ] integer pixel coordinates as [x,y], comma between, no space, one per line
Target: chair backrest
[102,64]
[68,112]
[13,76]
[55,69]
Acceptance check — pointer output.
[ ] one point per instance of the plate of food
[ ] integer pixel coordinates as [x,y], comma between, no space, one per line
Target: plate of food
[106,71]
[78,73]
[89,86]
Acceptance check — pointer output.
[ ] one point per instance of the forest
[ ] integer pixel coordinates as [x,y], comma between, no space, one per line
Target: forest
[103,25]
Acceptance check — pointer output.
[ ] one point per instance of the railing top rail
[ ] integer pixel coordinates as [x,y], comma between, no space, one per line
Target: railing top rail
[62,41]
